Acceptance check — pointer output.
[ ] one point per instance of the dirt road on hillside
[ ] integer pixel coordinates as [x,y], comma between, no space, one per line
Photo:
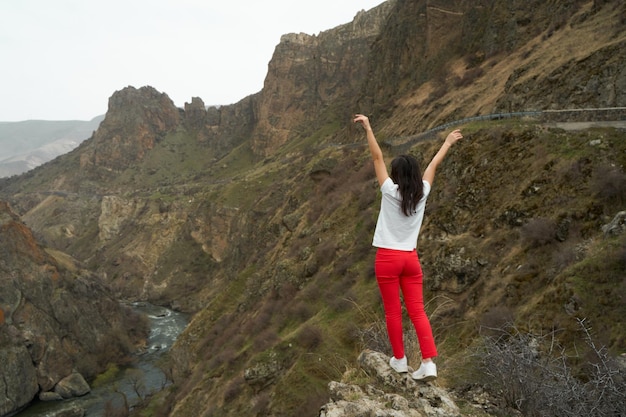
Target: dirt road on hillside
[621,124]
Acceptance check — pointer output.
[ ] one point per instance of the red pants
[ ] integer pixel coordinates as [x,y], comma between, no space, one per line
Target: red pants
[397,270]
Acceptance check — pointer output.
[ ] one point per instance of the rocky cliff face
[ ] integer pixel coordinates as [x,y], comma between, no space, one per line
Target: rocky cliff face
[387,394]
[499,57]
[310,74]
[135,121]
[57,325]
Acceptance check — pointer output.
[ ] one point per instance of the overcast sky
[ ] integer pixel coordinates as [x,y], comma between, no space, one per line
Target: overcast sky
[63,59]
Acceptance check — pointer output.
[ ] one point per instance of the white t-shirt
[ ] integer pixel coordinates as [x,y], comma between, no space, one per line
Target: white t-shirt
[394,230]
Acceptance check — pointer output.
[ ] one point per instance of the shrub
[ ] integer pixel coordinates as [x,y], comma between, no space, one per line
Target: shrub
[310,337]
[610,185]
[265,340]
[565,257]
[300,311]
[532,374]
[326,251]
[496,318]
[234,388]
[260,404]
[374,336]
[538,232]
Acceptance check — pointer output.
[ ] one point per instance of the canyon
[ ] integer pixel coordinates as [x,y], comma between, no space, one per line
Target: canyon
[256,218]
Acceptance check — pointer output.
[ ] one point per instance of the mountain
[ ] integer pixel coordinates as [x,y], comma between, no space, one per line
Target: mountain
[258,217]
[26,145]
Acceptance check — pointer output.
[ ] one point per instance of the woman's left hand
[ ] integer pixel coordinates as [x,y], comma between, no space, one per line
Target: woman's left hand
[454,136]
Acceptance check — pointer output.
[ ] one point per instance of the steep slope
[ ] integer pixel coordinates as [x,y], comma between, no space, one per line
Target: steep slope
[439,61]
[57,322]
[258,216]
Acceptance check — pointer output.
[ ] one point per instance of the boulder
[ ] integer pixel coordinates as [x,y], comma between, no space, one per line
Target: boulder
[18,379]
[390,394]
[73,385]
[617,226]
[49,396]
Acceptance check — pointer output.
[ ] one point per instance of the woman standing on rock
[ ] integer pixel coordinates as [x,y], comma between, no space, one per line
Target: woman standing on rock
[397,264]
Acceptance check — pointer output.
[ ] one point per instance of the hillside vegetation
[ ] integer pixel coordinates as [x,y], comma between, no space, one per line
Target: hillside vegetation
[259,221]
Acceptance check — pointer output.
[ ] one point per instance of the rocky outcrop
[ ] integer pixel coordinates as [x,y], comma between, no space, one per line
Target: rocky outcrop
[388,394]
[18,385]
[73,385]
[617,226]
[309,73]
[135,121]
[59,324]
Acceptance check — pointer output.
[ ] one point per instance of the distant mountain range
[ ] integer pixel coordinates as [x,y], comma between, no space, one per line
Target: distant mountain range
[28,144]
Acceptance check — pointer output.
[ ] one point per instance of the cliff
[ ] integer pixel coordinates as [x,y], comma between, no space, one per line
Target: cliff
[257,217]
[313,77]
[57,323]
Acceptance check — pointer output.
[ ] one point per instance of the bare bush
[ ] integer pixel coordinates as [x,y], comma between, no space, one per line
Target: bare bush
[260,404]
[234,388]
[538,232]
[610,184]
[301,311]
[310,337]
[532,374]
[498,317]
[326,251]
[265,340]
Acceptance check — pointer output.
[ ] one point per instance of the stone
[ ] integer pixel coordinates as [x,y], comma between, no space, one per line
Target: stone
[68,412]
[617,226]
[49,396]
[18,380]
[137,118]
[73,385]
[263,372]
[400,396]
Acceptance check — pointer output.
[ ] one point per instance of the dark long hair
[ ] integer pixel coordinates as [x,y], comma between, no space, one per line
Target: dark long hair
[406,173]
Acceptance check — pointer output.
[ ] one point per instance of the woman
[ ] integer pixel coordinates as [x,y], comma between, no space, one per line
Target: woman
[397,265]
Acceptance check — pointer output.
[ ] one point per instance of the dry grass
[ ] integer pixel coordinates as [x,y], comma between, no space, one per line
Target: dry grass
[541,55]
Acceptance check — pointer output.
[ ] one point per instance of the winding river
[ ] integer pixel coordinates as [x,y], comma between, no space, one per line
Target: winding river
[166,325]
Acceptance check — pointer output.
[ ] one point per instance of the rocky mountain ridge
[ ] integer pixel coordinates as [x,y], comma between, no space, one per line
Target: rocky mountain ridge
[257,217]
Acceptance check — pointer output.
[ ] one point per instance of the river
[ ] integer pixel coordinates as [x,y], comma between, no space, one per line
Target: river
[165,326]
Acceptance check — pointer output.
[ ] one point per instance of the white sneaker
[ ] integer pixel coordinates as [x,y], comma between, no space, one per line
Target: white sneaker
[426,372]
[399,365]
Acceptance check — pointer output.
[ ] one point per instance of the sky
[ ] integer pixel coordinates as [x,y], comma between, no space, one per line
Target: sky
[63,59]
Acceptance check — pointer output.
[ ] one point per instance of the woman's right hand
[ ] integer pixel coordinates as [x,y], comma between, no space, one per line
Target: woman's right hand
[364,120]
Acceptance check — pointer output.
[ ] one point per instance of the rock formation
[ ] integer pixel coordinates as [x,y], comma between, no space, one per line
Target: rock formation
[135,121]
[387,394]
[308,74]
[59,324]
